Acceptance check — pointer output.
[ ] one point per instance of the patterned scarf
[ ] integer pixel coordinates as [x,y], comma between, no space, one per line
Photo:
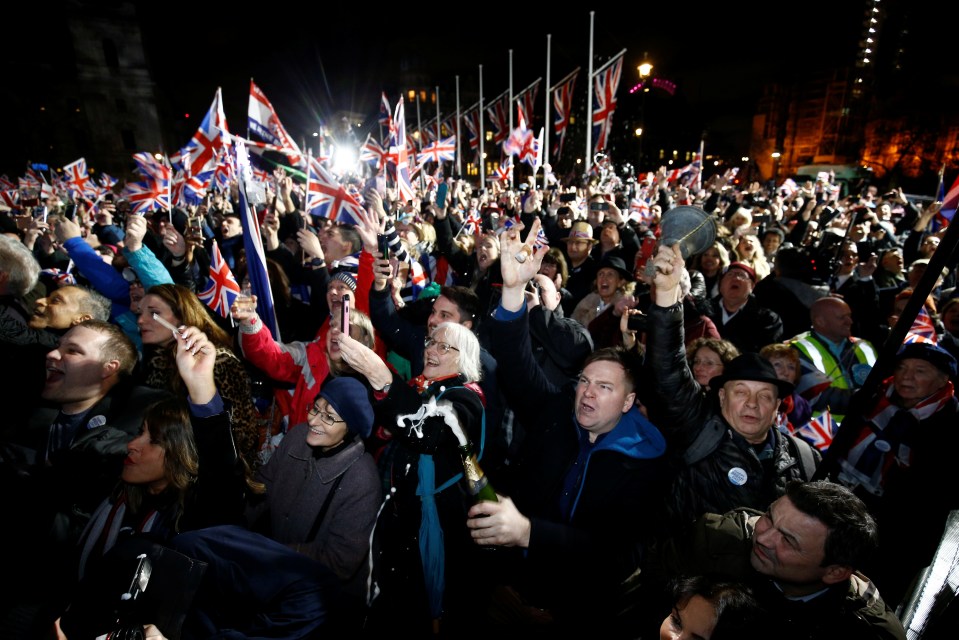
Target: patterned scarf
[884,440]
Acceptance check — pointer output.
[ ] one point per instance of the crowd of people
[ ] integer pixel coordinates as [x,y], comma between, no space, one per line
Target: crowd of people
[660,429]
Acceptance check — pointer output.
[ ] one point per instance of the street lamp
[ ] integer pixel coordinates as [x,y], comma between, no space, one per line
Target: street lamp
[775,156]
[644,69]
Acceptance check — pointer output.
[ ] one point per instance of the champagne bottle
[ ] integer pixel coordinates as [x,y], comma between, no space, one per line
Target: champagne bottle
[476,481]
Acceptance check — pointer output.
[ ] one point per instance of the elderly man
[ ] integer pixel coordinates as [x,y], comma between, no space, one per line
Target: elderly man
[739,317]
[834,364]
[67,307]
[801,557]
[728,455]
[898,450]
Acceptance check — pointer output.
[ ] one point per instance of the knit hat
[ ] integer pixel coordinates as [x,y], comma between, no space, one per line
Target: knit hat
[347,277]
[350,400]
[933,354]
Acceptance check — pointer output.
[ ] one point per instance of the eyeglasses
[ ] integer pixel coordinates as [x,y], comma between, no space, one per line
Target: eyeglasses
[697,362]
[325,416]
[443,347]
[738,274]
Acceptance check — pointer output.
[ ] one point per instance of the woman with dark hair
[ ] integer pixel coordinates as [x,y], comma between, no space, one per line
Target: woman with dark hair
[706,608]
[182,471]
[178,306]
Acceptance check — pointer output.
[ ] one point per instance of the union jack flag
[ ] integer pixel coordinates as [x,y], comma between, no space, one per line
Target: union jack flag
[373,152]
[428,133]
[62,278]
[221,286]
[147,195]
[10,197]
[152,168]
[107,181]
[819,431]
[225,170]
[950,202]
[77,178]
[6,184]
[923,329]
[328,198]
[499,116]
[438,151]
[605,84]
[201,152]
[190,190]
[263,121]
[526,100]
[519,138]
[399,151]
[505,170]
[639,211]
[471,120]
[473,223]
[384,117]
[563,104]
[696,182]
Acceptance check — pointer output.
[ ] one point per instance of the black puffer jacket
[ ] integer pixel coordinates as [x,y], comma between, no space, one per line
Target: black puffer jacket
[716,470]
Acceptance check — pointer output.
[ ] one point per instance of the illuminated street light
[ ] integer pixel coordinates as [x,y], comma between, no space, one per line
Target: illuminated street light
[645,68]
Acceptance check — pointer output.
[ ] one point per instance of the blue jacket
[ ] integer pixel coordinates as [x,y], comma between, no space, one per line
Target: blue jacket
[600,539]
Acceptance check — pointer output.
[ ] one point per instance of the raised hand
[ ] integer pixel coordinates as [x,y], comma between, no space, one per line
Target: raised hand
[669,268]
[195,357]
[515,273]
[135,231]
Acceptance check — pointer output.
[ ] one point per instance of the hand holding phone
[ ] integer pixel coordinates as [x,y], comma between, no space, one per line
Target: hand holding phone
[383,245]
[345,316]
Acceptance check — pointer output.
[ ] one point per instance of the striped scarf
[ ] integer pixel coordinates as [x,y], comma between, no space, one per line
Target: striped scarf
[884,440]
[105,526]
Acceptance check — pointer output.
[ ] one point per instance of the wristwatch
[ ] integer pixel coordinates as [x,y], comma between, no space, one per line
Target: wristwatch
[386,388]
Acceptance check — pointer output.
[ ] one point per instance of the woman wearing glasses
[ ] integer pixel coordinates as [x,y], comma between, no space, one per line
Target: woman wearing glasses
[322,487]
[424,562]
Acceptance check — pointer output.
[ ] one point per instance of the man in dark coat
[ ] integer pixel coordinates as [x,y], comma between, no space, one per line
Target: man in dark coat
[739,317]
[588,478]
[901,448]
[727,455]
[801,558]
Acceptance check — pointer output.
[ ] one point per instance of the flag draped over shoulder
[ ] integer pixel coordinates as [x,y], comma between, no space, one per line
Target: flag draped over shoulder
[221,286]
[562,99]
[266,125]
[605,85]
[253,246]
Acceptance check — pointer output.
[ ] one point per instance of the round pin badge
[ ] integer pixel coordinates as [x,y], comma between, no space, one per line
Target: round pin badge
[737,476]
[96,421]
[882,445]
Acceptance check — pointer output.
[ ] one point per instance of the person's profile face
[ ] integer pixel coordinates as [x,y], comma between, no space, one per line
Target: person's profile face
[694,619]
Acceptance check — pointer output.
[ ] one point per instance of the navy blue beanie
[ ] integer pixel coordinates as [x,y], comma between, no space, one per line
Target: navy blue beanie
[349,398]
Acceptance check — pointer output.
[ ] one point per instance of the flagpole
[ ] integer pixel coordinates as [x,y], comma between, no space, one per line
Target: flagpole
[306,194]
[419,121]
[458,165]
[248,109]
[481,160]
[512,178]
[589,99]
[546,119]
[439,125]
